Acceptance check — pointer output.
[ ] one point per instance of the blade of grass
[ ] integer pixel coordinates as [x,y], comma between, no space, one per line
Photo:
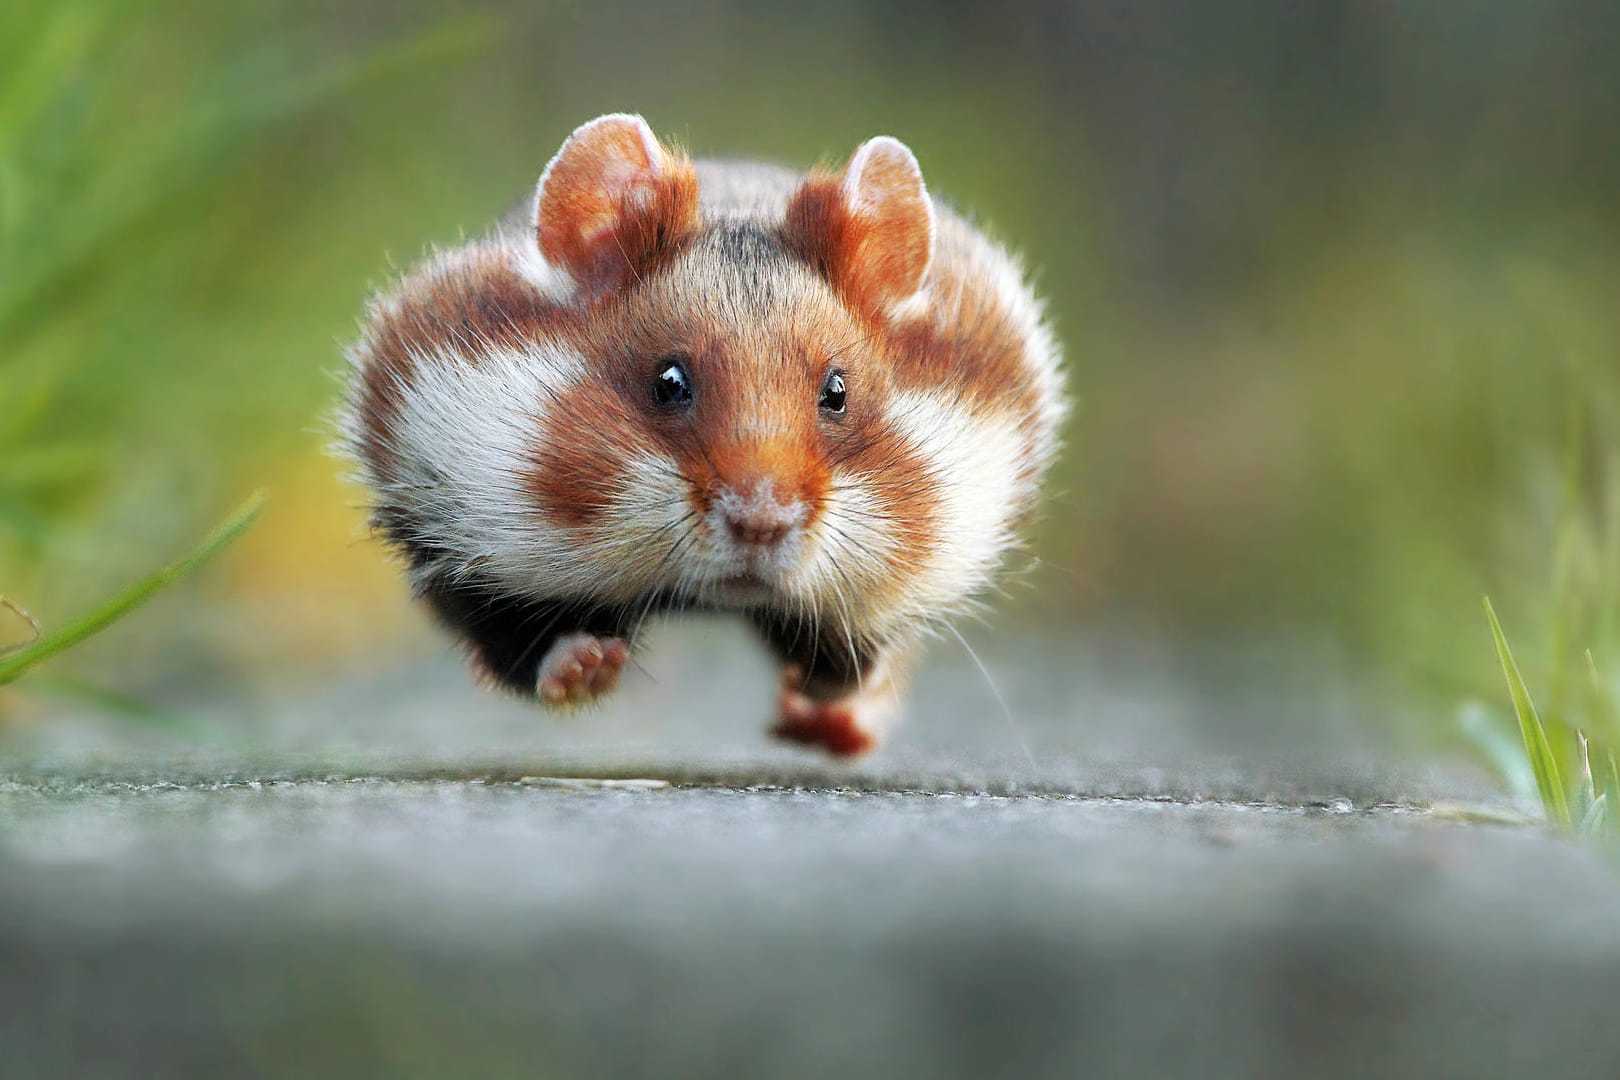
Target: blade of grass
[113,703]
[1587,790]
[15,665]
[1536,746]
[1614,774]
[1596,814]
[197,147]
[1504,753]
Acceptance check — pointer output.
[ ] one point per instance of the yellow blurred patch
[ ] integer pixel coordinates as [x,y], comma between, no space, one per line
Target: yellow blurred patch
[318,589]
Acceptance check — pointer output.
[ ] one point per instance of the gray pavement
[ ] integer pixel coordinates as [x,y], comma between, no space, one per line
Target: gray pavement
[1148,872]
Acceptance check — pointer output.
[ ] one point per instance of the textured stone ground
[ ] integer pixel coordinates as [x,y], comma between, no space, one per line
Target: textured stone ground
[1160,867]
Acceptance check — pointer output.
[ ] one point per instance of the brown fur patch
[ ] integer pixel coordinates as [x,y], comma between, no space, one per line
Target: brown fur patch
[462,303]
[582,447]
[817,227]
[608,212]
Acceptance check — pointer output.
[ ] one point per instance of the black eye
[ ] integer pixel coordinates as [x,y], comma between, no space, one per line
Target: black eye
[673,387]
[833,393]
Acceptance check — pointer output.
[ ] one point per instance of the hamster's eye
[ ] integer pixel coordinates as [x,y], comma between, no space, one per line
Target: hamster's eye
[833,393]
[673,387]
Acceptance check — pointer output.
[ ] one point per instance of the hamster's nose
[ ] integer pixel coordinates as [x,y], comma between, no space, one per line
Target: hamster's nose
[759,524]
[755,517]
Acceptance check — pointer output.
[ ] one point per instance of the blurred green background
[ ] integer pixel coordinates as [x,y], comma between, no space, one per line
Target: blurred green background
[1336,283]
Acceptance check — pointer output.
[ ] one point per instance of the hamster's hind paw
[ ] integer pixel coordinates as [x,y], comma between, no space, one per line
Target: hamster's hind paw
[580,668]
[844,728]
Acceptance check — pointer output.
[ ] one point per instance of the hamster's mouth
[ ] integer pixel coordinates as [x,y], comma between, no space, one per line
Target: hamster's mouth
[747,579]
[754,577]
[745,586]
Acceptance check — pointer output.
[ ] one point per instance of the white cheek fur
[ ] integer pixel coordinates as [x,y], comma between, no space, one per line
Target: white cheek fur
[849,578]
[645,535]
[853,546]
[975,462]
[462,443]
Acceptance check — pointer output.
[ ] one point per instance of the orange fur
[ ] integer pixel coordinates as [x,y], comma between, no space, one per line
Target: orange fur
[869,234]
[610,206]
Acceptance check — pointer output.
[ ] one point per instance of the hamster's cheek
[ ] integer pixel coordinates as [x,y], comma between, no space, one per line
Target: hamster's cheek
[649,535]
[585,441]
[858,533]
[970,476]
[619,500]
[876,526]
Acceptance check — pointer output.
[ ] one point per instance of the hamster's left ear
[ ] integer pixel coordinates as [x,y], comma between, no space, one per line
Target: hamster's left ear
[870,229]
[612,202]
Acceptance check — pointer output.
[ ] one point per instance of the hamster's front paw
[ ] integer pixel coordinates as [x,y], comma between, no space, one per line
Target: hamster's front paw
[847,727]
[580,668]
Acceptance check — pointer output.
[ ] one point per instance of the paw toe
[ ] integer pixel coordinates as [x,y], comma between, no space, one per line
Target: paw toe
[580,668]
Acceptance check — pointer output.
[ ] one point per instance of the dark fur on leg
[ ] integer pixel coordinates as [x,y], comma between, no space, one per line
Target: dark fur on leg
[509,636]
[828,669]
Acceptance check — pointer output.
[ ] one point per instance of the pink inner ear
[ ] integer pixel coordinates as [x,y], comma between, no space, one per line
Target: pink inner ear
[605,167]
[883,188]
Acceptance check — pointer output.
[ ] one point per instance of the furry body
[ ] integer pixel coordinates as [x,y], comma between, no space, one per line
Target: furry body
[621,402]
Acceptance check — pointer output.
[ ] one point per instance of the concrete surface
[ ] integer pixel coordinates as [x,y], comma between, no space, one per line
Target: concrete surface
[1155,870]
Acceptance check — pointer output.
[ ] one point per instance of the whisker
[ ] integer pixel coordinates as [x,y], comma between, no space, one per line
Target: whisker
[1006,713]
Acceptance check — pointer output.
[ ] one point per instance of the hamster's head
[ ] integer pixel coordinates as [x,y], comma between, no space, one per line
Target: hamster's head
[721,431]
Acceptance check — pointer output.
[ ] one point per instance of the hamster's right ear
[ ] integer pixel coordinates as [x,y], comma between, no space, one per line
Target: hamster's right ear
[868,230]
[612,203]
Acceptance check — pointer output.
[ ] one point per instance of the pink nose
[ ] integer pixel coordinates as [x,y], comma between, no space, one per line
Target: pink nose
[759,526]
[757,518]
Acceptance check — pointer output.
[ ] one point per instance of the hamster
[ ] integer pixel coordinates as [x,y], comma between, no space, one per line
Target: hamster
[824,402]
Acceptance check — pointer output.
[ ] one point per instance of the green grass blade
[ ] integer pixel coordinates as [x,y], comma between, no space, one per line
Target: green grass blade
[199,147]
[1596,814]
[113,703]
[1536,746]
[1614,774]
[1504,753]
[1588,791]
[16,664]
